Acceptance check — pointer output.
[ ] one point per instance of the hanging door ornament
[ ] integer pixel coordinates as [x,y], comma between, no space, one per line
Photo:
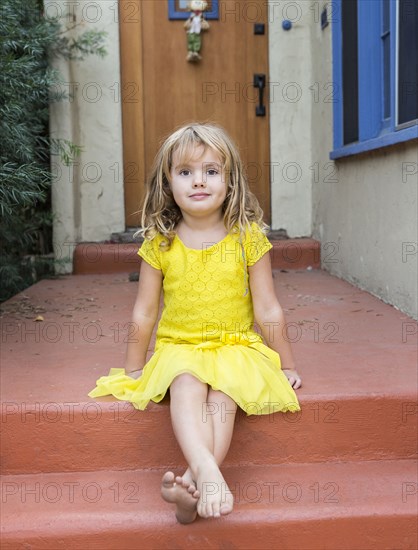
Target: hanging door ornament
[194,26]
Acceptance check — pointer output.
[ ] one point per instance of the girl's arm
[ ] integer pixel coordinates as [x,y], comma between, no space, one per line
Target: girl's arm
[144,317]
[269,316]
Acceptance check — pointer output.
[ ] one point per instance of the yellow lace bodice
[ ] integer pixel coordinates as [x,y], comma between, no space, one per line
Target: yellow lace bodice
[206,292]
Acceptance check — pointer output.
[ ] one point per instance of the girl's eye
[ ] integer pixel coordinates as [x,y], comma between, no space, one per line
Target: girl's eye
[212,172]
[184,172]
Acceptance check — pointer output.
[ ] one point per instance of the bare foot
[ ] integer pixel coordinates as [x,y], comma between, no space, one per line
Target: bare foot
[181,493]
[215,497]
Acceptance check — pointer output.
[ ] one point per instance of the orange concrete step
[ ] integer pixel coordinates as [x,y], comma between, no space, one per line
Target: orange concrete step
[86,436]
[367,505]
[100,258]
[357,356]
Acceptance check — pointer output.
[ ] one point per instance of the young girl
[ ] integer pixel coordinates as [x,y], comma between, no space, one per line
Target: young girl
[204,245]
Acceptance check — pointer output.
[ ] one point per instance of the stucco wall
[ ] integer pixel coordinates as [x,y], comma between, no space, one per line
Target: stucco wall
[290,118]
[87,198]
[368,217]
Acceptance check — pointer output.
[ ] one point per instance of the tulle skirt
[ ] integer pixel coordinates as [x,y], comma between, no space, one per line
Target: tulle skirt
[250,374]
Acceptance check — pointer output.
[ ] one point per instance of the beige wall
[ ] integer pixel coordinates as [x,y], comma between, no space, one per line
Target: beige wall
[291,113]
[368,217]
[87,198]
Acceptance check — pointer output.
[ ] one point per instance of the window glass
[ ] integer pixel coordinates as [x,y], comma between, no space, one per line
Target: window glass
[350,71]
[407,61]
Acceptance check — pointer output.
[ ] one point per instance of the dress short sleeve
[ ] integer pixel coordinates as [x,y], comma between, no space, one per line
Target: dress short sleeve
[151,253]
[256,244]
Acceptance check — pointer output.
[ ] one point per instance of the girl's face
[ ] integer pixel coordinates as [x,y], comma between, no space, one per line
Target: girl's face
[198,185]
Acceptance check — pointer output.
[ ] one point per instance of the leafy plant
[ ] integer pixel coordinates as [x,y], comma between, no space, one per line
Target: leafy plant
[28,42]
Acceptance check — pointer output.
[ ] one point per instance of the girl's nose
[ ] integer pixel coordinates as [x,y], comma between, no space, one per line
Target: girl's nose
[198,181]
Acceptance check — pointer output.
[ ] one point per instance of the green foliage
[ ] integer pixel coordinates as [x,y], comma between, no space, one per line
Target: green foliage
[90,42]
[27,43]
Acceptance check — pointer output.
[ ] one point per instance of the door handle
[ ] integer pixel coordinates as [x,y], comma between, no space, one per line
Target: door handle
[260,83]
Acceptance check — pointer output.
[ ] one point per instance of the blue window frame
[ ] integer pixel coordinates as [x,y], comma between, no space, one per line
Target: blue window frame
[177,9]
[384,97]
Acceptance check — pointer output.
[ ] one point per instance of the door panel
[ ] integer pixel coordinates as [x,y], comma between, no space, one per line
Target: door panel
[169,91]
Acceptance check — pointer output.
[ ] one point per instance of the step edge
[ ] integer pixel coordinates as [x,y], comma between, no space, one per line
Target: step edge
[305,400]
[287,466]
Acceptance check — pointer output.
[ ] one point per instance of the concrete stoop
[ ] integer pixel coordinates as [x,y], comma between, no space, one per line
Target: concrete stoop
[100,258]
[353,505]
[85,474]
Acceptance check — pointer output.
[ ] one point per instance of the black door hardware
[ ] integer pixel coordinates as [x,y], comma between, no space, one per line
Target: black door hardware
[260,83]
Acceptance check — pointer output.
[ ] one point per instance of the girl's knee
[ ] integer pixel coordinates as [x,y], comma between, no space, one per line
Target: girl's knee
[188,382]
[217,396]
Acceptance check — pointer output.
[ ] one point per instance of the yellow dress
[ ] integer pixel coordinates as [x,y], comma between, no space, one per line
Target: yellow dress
[206,328]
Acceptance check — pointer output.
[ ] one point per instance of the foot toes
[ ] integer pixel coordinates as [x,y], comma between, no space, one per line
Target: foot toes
[216,510]
[201,510]
[168,479]
[226,509]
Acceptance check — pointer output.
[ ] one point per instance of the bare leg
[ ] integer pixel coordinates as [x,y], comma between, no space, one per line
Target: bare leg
[178,492]
[222,409]
[223,423]
[193,425]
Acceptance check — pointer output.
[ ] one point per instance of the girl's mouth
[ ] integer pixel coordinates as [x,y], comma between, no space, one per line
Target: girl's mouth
[199,196]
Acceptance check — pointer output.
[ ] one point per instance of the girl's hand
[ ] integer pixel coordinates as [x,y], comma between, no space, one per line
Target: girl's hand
[294,378]
[135,374]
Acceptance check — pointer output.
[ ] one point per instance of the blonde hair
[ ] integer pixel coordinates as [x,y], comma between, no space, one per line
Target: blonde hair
[160,213]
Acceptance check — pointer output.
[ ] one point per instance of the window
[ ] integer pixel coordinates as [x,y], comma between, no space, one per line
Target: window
[375,71]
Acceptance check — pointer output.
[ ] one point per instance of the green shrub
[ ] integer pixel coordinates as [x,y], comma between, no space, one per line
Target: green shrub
[28,42]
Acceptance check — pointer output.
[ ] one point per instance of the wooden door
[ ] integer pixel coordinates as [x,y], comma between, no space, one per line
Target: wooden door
[161,90]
